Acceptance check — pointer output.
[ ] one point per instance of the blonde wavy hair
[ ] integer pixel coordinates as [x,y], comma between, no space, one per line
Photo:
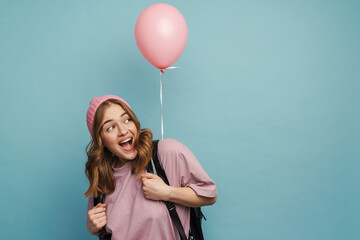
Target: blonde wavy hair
[98,167]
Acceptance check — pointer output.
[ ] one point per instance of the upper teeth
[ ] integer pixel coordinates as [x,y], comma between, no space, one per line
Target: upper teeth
[126,140]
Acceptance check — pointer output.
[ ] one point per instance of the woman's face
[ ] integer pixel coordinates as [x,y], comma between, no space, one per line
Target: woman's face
[118,132]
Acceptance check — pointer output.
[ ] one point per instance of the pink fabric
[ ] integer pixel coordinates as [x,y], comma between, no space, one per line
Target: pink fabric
[132,216]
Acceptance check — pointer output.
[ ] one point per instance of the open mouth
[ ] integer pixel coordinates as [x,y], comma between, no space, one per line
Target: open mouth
[127,144]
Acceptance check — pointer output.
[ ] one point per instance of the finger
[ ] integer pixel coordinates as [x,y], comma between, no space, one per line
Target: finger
[97,210]
[95,220]
[102,219]
[153,176]
[146,192]
[101,223]
[94,217]
[100,205]
[148,175]
[145,181]
[99,215]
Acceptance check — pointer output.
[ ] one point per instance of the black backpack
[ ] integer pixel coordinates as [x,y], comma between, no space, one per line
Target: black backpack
[155,167]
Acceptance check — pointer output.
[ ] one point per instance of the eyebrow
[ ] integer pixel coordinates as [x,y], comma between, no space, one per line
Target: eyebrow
[112,119]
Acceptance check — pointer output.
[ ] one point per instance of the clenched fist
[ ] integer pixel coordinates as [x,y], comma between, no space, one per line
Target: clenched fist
[154,187]
[96,218]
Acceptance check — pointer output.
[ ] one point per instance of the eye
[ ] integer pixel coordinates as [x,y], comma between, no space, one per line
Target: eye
[127,120]
[110,128]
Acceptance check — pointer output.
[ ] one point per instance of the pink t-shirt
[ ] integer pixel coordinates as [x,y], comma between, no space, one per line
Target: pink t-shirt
[131,216]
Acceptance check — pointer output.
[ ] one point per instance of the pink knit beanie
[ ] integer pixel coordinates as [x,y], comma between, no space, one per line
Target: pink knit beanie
[94,105]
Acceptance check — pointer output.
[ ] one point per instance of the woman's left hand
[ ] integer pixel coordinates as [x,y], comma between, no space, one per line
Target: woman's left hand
[154,187]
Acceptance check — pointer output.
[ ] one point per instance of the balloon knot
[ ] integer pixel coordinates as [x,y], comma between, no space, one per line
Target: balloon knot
[162,70]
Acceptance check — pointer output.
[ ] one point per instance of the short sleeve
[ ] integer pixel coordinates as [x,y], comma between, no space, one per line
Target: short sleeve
[90,203]
[183,169]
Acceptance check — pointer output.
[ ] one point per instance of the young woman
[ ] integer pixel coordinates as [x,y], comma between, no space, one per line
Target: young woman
[118,154]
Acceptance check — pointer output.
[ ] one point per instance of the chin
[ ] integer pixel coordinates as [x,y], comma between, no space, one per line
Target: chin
[129,157]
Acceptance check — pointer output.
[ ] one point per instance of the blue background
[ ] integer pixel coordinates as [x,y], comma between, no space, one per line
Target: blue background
[267,98]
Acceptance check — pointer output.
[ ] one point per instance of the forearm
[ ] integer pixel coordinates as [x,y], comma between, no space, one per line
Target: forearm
[186,196]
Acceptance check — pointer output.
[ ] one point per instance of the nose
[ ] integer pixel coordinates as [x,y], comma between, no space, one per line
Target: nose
[122,130]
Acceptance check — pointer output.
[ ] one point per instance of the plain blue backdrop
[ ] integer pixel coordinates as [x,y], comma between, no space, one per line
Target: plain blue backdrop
[267,98]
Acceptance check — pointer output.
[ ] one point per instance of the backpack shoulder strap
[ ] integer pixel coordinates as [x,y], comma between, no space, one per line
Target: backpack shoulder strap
[103,235]
[159,170]
[100,199]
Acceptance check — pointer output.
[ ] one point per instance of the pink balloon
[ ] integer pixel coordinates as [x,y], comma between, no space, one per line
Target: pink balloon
[161,34]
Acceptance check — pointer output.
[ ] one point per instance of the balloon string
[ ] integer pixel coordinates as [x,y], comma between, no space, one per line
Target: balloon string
[161,104]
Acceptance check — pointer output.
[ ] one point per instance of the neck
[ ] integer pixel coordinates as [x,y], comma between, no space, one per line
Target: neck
[119,162]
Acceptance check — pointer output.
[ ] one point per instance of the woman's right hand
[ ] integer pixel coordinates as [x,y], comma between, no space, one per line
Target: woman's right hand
[96,219]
